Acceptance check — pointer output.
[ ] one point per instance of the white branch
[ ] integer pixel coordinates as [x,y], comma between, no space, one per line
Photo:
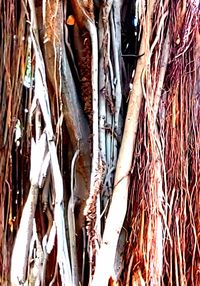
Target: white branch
[117,211]
[22,243]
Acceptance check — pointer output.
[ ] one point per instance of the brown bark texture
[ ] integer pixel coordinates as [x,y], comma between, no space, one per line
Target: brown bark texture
[99,142]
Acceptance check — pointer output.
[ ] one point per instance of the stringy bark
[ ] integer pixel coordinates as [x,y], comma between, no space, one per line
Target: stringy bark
[171,134]
[153,205]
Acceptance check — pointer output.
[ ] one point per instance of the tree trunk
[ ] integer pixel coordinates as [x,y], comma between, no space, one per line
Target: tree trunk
[99,142]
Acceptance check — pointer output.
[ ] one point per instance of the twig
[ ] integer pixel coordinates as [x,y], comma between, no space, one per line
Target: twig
[71,224]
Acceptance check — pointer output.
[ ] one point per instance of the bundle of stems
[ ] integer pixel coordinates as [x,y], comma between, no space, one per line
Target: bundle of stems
[99,186]
[162,218]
